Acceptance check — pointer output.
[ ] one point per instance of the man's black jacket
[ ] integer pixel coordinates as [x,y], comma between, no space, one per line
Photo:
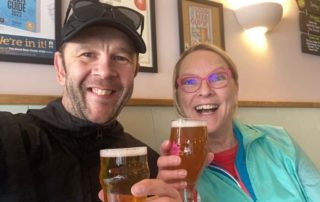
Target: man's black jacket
[50,155]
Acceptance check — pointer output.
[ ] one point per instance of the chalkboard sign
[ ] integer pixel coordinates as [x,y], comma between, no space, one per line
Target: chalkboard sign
[310,44]
[312,6]
[309,23]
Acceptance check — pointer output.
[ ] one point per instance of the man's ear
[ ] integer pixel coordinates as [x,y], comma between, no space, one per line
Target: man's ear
[137,69]
[61,74]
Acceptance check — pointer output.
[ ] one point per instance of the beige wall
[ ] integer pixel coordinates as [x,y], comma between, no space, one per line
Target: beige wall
[277,72]
[152,124]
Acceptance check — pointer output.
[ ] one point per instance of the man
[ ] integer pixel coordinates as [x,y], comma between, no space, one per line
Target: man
[52,154]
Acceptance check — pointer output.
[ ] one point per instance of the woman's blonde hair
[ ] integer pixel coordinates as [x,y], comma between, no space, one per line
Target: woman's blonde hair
[200,47]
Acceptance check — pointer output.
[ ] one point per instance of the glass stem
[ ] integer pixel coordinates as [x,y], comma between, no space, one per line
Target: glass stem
[188,195]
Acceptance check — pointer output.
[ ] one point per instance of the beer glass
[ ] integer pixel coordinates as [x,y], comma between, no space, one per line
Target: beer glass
[189,141]
[120,169]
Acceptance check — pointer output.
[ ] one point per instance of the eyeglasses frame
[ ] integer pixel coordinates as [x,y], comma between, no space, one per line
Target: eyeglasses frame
[227,71]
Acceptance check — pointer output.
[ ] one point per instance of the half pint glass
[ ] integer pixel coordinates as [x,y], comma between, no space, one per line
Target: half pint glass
[120,169]
[189,141]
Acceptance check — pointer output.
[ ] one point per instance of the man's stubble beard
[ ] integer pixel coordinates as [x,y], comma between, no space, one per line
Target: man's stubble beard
[77,104]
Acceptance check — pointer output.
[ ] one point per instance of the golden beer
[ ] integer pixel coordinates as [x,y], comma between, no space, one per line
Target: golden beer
[203,34]
[120,169]
[189,141]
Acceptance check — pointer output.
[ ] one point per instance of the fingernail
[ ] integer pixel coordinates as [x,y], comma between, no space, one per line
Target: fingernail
[137,189]
[182,173]
[176,160]
[183,184]
[166,142]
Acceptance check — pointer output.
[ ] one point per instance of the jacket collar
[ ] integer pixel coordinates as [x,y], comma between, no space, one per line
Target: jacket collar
[247,132]
[55,114]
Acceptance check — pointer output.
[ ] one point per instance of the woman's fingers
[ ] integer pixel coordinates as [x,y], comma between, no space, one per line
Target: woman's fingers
[101,197]
[165,148]
[210,158]
[168,161]
[169,175]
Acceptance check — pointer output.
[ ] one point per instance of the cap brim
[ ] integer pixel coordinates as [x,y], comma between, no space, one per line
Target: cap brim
[109,22]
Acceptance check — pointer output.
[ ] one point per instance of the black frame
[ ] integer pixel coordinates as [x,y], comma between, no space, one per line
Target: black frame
[154,68]
[39,60]
[184,24]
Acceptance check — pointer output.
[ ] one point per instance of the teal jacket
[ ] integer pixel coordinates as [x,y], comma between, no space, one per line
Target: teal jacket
[270,163]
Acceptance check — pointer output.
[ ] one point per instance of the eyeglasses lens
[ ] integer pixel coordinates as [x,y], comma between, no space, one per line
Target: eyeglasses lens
[218,80]
[87,10]
[131,15]
[190,84]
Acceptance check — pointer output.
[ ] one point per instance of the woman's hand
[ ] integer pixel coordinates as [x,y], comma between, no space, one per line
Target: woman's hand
[165,164]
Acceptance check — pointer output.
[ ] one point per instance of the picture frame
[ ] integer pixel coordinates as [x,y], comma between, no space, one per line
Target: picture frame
[148,60]
[200,21]
[29,30]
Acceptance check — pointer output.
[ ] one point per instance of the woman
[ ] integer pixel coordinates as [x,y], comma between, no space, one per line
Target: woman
[251,163]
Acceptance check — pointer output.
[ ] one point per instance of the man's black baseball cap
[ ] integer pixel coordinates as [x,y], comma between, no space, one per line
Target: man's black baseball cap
[88,13]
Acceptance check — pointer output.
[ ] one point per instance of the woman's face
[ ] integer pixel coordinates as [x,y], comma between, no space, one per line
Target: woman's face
[216,106]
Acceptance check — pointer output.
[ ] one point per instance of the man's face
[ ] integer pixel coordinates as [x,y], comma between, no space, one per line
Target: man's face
[98,72]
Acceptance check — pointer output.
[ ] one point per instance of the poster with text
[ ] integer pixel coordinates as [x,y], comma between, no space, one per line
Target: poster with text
[200,25]
[28,30]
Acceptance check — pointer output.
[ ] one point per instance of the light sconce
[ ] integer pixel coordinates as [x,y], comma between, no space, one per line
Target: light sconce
[260,15]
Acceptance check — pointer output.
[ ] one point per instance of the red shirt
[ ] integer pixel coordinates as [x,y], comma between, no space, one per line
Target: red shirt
[227,159]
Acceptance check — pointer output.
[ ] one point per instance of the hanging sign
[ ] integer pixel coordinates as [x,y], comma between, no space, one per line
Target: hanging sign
[310,44]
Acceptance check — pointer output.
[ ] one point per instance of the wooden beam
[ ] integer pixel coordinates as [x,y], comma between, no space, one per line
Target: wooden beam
[26,99]
[7,99]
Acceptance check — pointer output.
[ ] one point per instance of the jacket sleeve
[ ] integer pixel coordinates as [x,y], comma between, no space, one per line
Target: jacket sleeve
[3,166]
[15,178]
[308,173]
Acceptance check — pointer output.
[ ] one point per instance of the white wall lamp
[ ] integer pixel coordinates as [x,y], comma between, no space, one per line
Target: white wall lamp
[260,15]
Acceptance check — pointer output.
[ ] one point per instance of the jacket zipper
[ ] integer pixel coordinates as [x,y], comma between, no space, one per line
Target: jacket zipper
[225,173]
[99,135]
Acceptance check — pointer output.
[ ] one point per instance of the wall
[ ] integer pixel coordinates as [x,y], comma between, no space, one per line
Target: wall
[152,124]
[277,72]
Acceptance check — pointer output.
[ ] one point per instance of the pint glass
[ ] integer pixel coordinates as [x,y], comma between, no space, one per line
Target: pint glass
[189,141]
[120,169]
[203,34]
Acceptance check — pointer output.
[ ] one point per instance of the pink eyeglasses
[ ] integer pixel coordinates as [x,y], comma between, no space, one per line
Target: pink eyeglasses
[218,79]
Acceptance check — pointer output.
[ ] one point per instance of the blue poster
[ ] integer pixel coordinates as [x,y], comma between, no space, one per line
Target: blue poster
[27,28]
[21,14]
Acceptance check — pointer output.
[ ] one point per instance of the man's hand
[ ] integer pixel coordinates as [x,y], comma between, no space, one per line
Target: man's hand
[169,181]
[161,190]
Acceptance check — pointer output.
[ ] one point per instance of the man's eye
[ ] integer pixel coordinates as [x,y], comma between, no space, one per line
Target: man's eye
[120,58]
[89,55]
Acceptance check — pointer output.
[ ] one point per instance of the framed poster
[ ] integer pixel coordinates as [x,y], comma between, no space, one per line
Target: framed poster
[148,60]
[29,30]
[200,21]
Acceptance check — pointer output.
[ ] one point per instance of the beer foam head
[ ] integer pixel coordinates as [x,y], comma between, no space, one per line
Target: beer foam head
[122,152]
[188,123]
